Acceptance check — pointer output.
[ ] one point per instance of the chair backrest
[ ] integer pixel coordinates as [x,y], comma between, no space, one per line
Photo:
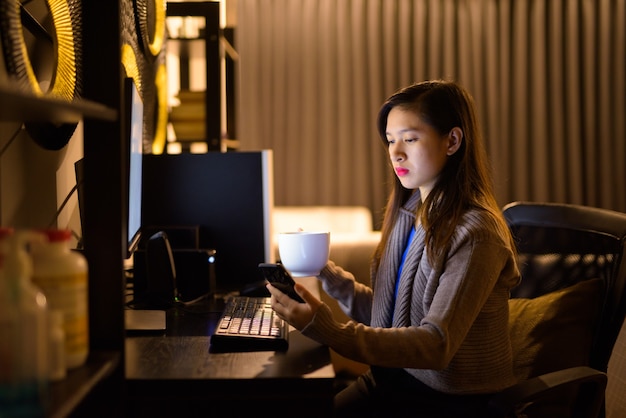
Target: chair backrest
[560,245]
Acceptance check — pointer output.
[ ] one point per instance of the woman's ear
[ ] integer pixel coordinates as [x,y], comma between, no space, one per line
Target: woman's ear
[455,138]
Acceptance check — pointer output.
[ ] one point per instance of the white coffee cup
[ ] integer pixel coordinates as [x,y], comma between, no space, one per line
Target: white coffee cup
[304,253]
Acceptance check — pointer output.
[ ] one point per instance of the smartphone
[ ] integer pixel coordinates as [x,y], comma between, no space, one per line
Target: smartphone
[280,278]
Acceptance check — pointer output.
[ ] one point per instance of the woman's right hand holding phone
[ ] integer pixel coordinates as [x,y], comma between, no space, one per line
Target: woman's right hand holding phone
[297,314]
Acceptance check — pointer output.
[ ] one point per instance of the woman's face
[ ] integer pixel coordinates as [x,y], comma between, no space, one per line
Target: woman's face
[417,151]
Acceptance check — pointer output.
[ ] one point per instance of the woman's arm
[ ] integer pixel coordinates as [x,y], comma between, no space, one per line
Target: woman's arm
[451,310]
[355,299]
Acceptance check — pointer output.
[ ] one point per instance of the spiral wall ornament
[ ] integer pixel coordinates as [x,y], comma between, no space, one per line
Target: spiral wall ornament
[150,16]
[149,47]
[131,67]
[160,132]
[65,81]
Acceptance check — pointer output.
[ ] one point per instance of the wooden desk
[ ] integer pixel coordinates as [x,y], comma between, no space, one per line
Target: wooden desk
[175,375]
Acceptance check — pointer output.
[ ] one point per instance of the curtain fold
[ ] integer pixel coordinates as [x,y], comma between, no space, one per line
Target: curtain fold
[548,78]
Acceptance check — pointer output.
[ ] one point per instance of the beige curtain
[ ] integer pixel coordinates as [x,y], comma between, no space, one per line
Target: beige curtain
[548,76]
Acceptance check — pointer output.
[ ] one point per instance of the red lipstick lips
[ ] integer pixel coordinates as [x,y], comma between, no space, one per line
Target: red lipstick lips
[401,171]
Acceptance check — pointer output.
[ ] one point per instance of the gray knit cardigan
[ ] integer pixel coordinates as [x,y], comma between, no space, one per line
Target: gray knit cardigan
[448,326]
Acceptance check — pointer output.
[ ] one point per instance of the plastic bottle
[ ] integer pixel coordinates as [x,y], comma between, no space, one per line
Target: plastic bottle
[56,347]
[23,332]
[62,276]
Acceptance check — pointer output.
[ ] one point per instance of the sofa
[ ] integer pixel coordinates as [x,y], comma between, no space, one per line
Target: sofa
[352,244]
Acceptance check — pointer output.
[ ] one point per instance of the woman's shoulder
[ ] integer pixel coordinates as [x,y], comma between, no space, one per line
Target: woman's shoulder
[480,224]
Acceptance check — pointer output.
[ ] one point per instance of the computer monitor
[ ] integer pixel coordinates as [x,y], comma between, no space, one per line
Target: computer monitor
[133,163]
[227,196]
[131,167]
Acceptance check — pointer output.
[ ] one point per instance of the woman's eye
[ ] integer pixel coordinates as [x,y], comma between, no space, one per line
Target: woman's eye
[410,140]
[390,141]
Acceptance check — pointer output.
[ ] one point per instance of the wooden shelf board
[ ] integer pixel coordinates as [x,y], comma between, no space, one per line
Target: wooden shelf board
[67,394]
[19,106]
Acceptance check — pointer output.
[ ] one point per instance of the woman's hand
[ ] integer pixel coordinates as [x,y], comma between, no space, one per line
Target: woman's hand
[295,313]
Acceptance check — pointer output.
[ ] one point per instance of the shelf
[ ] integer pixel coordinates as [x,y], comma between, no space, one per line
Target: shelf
[67,394]
[19,106]
[210,34]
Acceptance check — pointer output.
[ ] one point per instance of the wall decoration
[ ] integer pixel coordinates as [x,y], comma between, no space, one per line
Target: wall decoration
[65,80]
[131,67]
[151,23]
[160,133]
[150,16]
[143,59]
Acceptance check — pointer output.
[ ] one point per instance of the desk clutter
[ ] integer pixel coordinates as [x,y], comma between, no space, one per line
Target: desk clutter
[170,267]
[247,323]
[43,316]
[181,372]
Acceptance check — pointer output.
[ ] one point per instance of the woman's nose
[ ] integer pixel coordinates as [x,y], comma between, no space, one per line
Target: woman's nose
[396,154]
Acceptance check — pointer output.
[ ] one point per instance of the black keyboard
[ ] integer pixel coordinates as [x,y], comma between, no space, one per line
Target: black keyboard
[250,324]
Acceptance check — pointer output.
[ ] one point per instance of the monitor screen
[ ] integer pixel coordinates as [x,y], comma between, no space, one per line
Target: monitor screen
[134,135]
[227,196]
[131,167]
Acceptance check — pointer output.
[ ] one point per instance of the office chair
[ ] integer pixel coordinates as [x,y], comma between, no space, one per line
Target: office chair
[566,313]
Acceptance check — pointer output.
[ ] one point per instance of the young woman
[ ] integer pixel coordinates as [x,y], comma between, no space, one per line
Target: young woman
[434,324]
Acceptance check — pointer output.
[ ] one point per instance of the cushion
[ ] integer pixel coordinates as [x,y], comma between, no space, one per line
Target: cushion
[554,331]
